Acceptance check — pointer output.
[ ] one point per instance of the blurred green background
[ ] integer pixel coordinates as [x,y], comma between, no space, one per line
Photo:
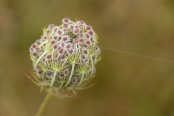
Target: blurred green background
[128,85]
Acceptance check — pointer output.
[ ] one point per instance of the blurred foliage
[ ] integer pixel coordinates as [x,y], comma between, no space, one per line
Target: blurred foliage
[128,85]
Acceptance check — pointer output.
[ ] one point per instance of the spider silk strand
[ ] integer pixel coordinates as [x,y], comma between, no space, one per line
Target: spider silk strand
[136,54]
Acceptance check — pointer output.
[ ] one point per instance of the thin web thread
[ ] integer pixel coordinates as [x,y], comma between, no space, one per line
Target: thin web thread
[137,54]
[120,106]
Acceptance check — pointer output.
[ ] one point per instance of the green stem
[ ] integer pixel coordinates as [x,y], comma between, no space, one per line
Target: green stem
[72,70]
[39,59]
[61,85]
[43,105]
[53,79]
[81,79]
[92,66]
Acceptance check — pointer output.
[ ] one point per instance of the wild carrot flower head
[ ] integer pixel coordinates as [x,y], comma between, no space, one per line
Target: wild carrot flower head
[65,56]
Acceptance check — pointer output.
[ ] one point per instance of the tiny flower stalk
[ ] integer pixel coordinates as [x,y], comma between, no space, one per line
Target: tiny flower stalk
[70,77]
[39,59]
[54,77]
[81,80]
[64,58]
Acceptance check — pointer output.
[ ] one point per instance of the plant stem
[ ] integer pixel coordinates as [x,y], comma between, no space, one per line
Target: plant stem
[92,66]
[43,105]
[53,79]
[81,79]
[39,59]
[72,70]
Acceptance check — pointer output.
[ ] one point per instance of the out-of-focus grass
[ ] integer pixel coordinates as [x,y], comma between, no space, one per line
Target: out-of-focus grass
[128,85]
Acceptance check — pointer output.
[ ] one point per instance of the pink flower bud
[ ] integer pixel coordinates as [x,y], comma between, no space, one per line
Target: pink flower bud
[88,28]
[59,32]
[65,25]
[85,51]
[76,31]
[66,72]
[75,41]
[50,26]
[63,57]
[91,32]
[87,35]
[83,57]
[62,45]
[52,42]
[88,42]
[61,51]
[55,46]
[35,54]
[61,75]
[68,46]
[71,51]
[65,20]
[37,49]
[48,56]
[34,45]
[55,37]
[81,40]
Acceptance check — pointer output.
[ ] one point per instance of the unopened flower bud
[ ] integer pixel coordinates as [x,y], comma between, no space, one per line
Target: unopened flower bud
[65,56]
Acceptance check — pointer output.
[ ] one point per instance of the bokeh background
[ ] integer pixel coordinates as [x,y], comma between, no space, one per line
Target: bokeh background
[128,85]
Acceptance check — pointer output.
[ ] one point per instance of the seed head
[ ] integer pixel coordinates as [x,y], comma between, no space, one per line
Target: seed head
[65,56]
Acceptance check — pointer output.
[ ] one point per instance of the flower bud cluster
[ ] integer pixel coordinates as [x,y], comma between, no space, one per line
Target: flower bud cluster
[65,56]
